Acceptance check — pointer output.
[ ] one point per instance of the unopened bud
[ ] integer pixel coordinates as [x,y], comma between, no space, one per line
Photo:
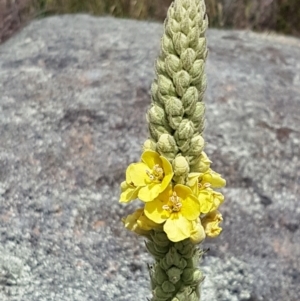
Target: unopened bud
[149,145]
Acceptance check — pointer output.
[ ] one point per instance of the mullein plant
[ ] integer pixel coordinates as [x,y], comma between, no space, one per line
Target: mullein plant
[173,180]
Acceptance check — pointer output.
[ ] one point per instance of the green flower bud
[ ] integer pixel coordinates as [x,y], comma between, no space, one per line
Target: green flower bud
[188,58]
[202,164]
[160,275]
[196,146]
[201,50]
[185,24]
[187,251]
[160,67]
[173,28]
[178,12]
[167,46]
[181,169]
[159,293]
[192,13]
[156,131]
[172,258]
[202,85]
[154,91]
[165,86]
[181,81]
[179,245]
[156,115]
[153,251]
[166,146]
[149,144]
[180,166]
[192,276]
[158,124]
[168,287]
[185,130]
[197,277]
[193,38]
[193,261]
[197,118]
[196,72]
[172,65]
[185,294]
[173,106]
[160,238]
[174,274]
[184,134]
[174,110]
[189,100]
[187,275]
[181,42]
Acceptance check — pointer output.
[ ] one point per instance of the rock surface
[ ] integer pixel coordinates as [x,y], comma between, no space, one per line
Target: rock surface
[73,95]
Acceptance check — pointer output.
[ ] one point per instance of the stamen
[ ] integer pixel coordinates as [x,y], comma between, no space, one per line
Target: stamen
[156,174]
[150,175]
[204,185]
[158,171]
[166,207]
[174,204]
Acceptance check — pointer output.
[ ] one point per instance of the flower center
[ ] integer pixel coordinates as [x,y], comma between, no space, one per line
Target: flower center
[174,204]
[203,185]
[157,173]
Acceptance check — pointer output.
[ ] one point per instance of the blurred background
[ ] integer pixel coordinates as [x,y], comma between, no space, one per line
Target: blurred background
[261,15]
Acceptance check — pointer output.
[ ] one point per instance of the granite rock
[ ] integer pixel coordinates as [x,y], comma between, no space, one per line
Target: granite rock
[73,95]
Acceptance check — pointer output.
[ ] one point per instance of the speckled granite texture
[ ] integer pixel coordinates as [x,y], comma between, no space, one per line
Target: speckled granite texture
[73,96]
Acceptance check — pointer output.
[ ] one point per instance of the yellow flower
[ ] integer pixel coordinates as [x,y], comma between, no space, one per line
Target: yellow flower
[146,179]
[197,233]
[177,208]
[202,184]
[128,192]
[139,223]
[209,199]
[203,164]
[210,178]
[210,222]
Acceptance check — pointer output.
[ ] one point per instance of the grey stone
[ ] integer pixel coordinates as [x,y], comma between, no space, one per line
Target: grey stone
[73,95]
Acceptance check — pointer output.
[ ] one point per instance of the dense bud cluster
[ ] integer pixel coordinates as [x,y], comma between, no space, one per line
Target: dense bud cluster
[177,91]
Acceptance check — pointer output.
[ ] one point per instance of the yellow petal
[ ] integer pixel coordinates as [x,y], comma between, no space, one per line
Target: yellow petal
[193,179]
[205,162]
[190,208]
[197,234]
[190,204]
[136,174]
[155,212]
[166,165]
[218,199]
[168,173]
[165,182]
[151,158]
[206,199]
[177,227]
[129,193]
[149,193]
[211,223]
[214,179]
[131,223]
[145,223]
[183,191]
